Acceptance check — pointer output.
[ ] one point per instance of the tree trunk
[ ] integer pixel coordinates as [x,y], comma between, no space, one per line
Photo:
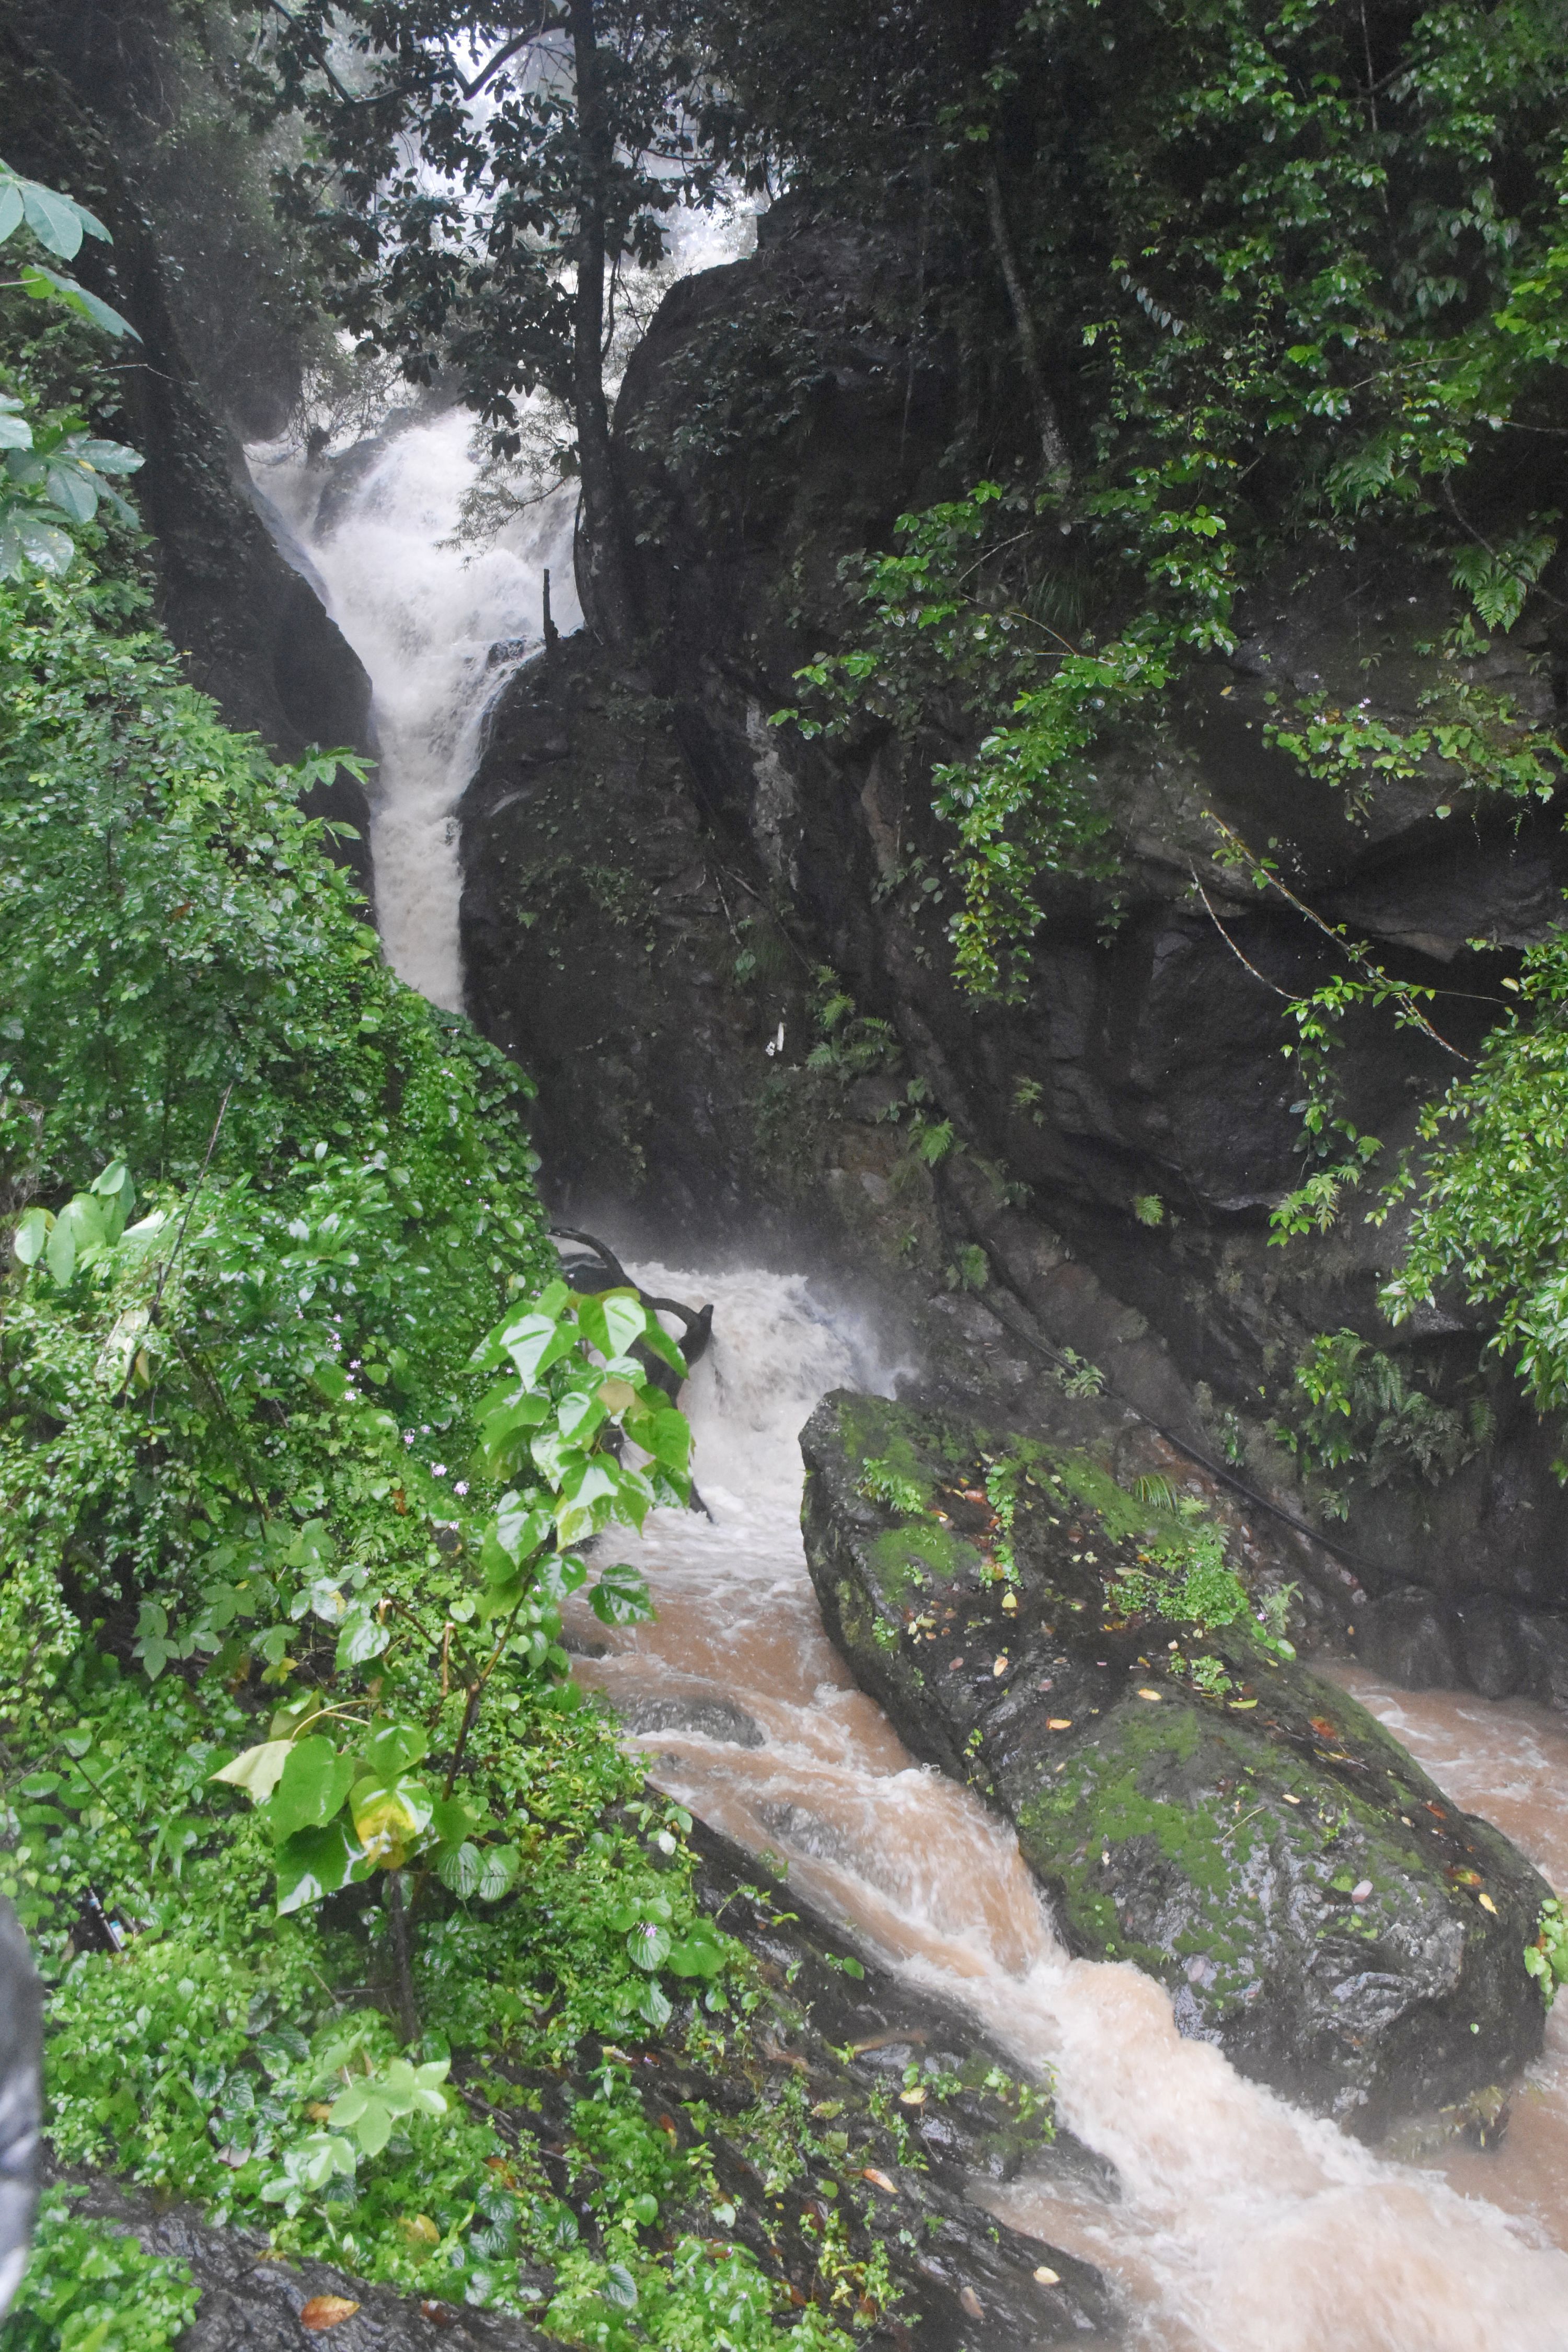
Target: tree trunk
[1053,440]
[604,567]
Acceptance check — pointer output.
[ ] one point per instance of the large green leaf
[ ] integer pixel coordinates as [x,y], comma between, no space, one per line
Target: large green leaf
[395,1747]
[523,1523]
[621,1596]
[311,1787]
[316,1862]
[49,286]
[390,1816]
[363,1635]
[58,221]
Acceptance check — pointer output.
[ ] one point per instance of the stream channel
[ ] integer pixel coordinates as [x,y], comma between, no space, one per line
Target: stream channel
[1244,2224]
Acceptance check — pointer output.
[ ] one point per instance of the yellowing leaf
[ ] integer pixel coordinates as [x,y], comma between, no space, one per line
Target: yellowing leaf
[259,1770]
[1487,1904]
[1046,2276]
[324,2311]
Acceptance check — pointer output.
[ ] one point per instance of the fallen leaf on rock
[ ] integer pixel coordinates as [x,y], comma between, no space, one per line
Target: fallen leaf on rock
[1149,1693]
[1058,1723]
[972,2303]
[916,2098]
[324,2311]
[1360,1890]
[953,1666]
[1048,2277]
[1240,1706]
[1000,1668]
[439,2314]
[1009,1601]
[1487,1904]
[878,2179]
[1290,1799]
[1321,1724]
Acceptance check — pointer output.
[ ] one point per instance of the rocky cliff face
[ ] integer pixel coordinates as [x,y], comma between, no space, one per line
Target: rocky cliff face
[253,632]
[1122,1134]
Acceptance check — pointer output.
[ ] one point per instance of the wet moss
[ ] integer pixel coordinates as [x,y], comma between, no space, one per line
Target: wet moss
[898,1557]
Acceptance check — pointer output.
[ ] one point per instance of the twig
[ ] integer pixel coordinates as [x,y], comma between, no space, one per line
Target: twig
[1335,935]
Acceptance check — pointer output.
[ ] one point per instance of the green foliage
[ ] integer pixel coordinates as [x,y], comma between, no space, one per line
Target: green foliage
[91,2288]
[1358,1410]
[1181,1574]
[886,1481]
[1310,268]
[1546,1958]
[1488,1205]
[55,467]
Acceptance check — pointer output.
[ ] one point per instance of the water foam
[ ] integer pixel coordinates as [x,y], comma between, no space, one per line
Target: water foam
[1246,2225]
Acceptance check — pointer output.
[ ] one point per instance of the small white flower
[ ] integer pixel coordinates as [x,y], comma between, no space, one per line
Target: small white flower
[461,1487]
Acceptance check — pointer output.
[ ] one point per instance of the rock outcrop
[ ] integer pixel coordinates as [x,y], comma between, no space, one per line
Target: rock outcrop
[1119,1138]
[1191,1797]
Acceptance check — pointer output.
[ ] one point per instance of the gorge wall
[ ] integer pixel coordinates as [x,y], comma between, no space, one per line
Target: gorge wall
[249,625]
[656,877]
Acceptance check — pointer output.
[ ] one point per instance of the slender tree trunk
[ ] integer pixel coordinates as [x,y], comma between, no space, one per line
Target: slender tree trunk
[401,1960]
[1053,441]
[606,567]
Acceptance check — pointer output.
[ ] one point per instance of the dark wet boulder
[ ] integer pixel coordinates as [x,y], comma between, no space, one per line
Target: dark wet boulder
[1191,1798]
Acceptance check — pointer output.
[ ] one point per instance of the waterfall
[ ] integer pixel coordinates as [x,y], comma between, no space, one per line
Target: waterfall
[1246,2225]
[440,628]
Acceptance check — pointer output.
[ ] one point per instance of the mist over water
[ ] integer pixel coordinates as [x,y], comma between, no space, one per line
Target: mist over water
[1244,2225]
[440,629]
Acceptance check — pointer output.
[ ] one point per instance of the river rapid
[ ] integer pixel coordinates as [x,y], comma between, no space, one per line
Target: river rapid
[1244,2225]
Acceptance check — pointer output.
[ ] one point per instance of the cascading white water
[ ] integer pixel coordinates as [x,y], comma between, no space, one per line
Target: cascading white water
[1246,2226]
[439,629]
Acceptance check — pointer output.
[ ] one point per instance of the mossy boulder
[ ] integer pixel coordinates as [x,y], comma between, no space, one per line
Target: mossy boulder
[1191,1798]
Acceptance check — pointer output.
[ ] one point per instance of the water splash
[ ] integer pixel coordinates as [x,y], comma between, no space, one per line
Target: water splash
[1246,2226]
[439,629]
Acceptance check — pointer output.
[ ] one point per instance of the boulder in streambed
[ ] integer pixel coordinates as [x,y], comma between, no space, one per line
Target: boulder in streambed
[1193,1799]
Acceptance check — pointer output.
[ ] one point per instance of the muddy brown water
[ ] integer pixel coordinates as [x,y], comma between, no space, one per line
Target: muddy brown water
[1244,2225]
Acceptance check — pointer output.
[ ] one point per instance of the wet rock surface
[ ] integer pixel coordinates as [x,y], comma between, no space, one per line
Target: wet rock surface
[902,2104]
[1244,1832]
[1145,1064]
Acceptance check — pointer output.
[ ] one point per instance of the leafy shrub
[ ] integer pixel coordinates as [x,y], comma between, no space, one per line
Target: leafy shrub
[1360,1410]
[91,2288]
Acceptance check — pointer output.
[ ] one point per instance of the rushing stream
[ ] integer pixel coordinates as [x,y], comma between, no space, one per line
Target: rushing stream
[1244,2225]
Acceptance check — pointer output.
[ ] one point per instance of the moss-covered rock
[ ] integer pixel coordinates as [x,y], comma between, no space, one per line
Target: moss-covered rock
[1193,1800]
